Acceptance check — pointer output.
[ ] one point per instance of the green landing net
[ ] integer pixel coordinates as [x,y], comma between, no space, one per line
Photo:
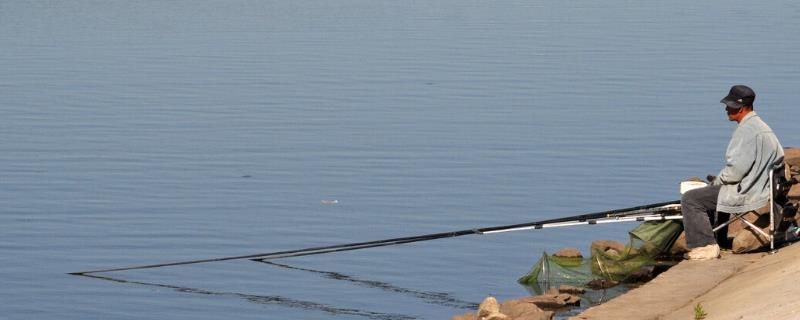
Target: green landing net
[647,242]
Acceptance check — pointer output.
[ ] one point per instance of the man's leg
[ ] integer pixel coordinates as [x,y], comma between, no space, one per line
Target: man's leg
[695,206]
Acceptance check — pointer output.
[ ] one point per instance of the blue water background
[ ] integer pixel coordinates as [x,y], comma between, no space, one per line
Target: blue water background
[136,132]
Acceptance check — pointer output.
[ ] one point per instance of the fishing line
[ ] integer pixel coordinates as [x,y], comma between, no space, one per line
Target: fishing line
[644,212]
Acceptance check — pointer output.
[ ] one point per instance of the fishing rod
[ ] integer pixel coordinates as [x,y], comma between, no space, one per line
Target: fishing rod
[655,211]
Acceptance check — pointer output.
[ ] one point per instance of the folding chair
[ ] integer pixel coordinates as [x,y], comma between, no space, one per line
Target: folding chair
[777,190]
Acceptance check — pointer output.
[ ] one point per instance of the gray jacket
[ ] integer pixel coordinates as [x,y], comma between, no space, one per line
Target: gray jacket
[753,151]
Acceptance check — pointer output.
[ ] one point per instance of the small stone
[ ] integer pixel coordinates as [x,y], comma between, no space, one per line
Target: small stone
[568,299]
[568,253]
[643,274]
[496,316]
[601,284]
[604,245]
[679,247]
[466,316]
[522,310]
[515,308]
[545,302]
[794,192]
[564,288]
[488,306]
[538,315]
[612,253]
[797,218]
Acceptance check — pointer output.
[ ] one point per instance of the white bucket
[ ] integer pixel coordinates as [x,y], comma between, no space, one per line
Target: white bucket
[690,185]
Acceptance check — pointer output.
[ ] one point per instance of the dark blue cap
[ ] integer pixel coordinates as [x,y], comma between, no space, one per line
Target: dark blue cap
[739,96]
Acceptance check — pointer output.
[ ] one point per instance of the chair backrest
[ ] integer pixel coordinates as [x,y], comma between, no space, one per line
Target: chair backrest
[780,186]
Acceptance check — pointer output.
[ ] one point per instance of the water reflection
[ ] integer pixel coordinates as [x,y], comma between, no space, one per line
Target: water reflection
[438,298]
[269,300]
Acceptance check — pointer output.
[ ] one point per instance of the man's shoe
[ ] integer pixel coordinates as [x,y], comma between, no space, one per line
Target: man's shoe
[708,252]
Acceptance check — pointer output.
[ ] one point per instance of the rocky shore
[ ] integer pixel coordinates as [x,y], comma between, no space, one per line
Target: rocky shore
[541,307]
[736,286]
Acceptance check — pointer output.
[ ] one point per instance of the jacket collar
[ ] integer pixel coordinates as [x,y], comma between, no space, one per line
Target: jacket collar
[748,117]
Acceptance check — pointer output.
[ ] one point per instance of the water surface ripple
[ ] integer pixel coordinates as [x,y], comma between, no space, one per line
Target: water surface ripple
[137,132]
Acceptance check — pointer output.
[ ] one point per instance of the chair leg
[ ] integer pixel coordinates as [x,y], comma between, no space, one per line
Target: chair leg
[772,211]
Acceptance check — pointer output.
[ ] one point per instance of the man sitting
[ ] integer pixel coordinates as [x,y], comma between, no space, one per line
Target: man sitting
[743,184]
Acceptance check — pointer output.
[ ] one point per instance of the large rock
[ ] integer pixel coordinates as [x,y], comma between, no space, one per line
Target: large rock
[568,253]
[791,156]
[520,310]
[791,159]
[744,238]
[737,225]
[748,240]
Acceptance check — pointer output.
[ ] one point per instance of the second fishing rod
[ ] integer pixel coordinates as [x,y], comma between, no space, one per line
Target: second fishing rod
[655,211]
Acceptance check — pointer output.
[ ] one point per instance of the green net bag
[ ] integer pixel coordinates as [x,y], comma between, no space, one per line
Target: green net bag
[647,242]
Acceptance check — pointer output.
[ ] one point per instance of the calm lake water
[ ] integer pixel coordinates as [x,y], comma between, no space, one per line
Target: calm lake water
[136,132]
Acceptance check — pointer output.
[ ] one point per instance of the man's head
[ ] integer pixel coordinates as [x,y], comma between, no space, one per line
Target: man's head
[739,102]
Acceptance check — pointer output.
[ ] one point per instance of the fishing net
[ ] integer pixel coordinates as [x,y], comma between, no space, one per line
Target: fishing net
[648,242]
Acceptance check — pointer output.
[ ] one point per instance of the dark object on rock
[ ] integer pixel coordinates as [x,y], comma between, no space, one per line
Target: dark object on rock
[601,284]
[568,253]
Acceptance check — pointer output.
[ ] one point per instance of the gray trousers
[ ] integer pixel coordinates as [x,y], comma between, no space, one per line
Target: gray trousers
[696,206]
